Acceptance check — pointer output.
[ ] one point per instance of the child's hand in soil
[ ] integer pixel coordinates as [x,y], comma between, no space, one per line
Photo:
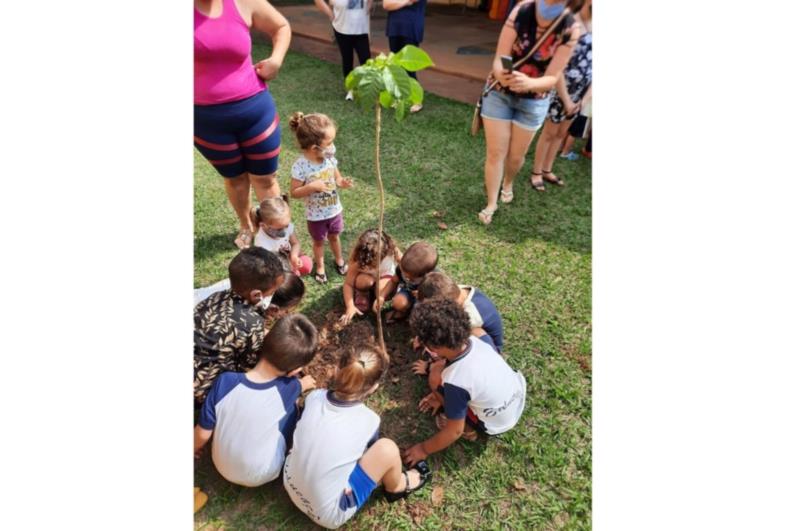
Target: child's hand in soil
[351,311]
[432,402]
[420,367]
[307,383]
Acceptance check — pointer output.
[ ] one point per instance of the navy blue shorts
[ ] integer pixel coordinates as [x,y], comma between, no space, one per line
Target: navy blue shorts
[362,486]
[239,136]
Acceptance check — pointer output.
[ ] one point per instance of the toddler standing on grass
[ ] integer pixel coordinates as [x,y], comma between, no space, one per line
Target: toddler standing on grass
[251,415]
[316,178]
[337,459]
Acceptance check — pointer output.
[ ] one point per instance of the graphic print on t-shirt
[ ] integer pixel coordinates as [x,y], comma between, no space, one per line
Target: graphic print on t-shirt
[319,205]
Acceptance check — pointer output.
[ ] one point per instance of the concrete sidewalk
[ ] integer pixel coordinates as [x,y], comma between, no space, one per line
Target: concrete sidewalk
[461,45]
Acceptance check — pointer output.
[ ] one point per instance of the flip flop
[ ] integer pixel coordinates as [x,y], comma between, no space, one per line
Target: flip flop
[553,179]
[486,215]
[538,185]
[425,476]
[320,278]
[507,197]
[244,239]
[341,269]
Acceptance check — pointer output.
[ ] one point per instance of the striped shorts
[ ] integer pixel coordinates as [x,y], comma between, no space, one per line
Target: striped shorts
[239,136]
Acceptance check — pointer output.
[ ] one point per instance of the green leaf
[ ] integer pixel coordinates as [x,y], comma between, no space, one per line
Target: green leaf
[401,80]
[412,58]
[367,94]
[386,99]
[400,110]
[351,80]
[416,91]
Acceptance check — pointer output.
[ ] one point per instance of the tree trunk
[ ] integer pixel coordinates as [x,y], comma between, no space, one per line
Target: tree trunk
[379,328]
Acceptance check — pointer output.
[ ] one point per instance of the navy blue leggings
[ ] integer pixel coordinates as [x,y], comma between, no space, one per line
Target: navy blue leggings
[239,136]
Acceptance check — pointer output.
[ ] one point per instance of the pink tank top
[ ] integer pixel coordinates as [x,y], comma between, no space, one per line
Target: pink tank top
[223,70]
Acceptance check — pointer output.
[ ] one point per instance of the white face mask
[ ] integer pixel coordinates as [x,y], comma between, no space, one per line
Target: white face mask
[329,151]
[264,303]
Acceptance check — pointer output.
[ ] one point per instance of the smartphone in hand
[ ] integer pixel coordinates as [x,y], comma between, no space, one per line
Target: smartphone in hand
[506,63]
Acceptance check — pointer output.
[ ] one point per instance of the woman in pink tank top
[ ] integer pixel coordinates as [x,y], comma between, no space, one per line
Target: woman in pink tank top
[235,121]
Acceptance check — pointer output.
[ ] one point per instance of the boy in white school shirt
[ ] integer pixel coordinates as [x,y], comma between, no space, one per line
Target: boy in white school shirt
[251,415]
[479,391]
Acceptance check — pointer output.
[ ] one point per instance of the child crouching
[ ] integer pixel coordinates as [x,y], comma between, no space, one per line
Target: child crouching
[479,391]
[337,459]
[253,414]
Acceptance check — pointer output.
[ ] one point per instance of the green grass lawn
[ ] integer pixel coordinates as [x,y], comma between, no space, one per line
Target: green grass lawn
[534,262]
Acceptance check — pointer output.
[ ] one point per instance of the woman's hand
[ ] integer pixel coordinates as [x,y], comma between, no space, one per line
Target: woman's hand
[520,83]
[267,69]
[351,311]
[504,77]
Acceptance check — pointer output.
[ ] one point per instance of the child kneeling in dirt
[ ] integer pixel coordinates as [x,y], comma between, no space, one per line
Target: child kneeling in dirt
[336,460]
[253,414]
[418,260]
[479,391]
[359,287]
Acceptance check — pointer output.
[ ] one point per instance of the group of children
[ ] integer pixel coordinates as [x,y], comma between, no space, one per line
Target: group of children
[248,380]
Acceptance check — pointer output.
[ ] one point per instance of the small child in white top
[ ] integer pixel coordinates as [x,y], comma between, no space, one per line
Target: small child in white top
[337,459]
[251,416]
[479,391]
[316,178]
[360,282]
[275,232]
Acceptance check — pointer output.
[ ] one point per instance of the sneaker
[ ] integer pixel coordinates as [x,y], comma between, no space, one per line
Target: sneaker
[417,107]
[569,156]
[349,96]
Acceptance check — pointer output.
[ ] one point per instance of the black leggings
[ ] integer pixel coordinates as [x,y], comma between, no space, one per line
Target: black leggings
[348,44]
[397,42]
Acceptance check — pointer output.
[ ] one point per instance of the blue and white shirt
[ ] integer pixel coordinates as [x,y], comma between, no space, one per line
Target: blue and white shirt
[319,205]
[251,424]
[330,439]
[479,379]
[483,314]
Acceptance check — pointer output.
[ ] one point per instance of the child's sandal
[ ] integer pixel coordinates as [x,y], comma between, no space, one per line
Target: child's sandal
[425,476]
[553,179]
[320,278]
[538,183]
[341,269]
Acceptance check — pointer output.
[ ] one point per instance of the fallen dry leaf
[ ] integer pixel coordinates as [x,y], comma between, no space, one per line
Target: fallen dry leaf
[438,213]
[437,495]
[442,225]
[519,484]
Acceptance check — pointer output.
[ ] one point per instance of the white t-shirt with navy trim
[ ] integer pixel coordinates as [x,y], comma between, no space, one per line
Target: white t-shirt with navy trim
[275,245]
[483,314]
[251,424]
[330,438]
[479,379]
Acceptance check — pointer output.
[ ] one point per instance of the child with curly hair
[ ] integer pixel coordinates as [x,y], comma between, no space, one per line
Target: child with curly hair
[360,281]
[316,178]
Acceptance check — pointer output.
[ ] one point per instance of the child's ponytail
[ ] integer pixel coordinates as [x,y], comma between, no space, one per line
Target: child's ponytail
[310,129]
[358,371]
[295,120]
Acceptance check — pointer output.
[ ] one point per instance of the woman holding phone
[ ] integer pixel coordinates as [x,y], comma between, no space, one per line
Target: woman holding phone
[514,111]
[235,120]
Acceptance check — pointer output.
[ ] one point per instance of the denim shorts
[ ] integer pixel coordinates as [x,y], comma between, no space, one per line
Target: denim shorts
[527,113]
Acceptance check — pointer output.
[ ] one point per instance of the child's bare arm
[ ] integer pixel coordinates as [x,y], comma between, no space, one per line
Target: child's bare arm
[386,287]
[348,293]
[341,181]
[299,189]
[201,436]
[294,242]
[445,437]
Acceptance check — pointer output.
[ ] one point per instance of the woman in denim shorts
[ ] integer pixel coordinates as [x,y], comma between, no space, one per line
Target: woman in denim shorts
[514,111]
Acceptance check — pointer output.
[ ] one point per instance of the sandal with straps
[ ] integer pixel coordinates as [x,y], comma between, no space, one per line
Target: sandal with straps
[341,269]
[507,197]
[244,239]
[425,476]
[486,215]
[538,184]
[553,179]
[320,278]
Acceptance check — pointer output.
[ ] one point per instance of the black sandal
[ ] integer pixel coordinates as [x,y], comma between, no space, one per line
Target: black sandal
[425,477]
[539,186]
[320,278]
[341,269]
[554,179]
